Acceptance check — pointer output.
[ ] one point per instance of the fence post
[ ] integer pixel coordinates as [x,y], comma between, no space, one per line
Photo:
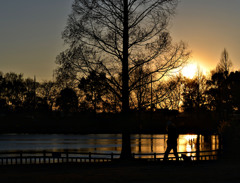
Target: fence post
[67,156]
[90,156]
[44,157]
[21,156]
[198,147]
[133,155]
[112,156]
[219,146]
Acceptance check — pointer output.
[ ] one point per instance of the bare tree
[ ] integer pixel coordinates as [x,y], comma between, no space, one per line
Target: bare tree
[225,63]
[47,90]
[111,35]
[194,93]
[168,93]
[140,96]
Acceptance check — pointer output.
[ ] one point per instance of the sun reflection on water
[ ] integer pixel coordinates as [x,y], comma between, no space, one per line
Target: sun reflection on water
[190,137]
[187,143]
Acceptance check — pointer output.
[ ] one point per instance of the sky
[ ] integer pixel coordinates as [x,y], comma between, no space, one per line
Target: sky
[30,33]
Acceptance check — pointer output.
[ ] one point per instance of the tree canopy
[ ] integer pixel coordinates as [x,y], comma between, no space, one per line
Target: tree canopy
[117,37]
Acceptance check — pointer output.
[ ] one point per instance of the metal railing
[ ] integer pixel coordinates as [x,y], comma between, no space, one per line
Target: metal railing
[191,156]
[48,157]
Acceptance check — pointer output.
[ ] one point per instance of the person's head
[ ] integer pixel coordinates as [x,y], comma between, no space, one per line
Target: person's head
[170,118]
[171,115]
[170,124]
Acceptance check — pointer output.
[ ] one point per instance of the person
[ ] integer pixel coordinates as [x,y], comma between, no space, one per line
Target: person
[172,140]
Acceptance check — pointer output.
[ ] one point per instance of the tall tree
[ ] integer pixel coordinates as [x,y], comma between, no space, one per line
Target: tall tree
[110,35]
[47,91]
[168,94]
[94,88]
[30,100]
[234,84]
[225,63]
[15,89]
[142,93]
[219,92]
[194,93]
[3,101]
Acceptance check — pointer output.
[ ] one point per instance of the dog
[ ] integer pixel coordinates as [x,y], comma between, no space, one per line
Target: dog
[186,158]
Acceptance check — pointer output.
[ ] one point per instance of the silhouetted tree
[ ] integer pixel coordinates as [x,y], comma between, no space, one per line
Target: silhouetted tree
[190,95]
[20,94]
[3,106]
[47,92]
[68,100]
[219,92]
[14,90]
[94,88]
[109,36]
[30,99]
[2,86]
[168,94]
[3,102]
[194,96]
[66,77]
[225,63]
[234,84]
[141,95]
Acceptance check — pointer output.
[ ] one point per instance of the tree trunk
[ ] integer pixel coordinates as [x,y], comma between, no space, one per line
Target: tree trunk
[126,144]
[125,76]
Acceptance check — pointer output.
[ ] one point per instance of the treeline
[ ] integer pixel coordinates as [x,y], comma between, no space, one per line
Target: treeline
[218,92]
[19,94]
[88,104]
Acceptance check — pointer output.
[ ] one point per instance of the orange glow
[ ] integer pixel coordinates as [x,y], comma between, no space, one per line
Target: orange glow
[190,137]
[193,69]
[189,70]
[186,143]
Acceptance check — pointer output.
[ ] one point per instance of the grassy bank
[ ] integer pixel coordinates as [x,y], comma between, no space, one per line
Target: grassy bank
[220,171]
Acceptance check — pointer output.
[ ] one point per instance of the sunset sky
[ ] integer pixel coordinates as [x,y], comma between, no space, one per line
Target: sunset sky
[30,33]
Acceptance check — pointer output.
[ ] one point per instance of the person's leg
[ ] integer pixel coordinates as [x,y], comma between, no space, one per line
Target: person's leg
[167,152]
[175,153]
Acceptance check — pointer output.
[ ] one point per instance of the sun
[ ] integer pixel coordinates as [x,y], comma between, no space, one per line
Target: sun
[189,71]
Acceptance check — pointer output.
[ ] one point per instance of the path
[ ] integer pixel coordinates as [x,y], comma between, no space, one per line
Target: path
[219,172]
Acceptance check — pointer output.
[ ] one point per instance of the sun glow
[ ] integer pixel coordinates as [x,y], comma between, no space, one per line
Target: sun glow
[189,71]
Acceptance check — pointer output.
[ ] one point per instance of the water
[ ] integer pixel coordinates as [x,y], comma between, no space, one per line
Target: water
[103,143]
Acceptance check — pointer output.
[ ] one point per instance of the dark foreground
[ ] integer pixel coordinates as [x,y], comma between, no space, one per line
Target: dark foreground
[136,172]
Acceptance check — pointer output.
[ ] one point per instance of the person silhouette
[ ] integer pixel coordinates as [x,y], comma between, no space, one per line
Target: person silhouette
[172,140]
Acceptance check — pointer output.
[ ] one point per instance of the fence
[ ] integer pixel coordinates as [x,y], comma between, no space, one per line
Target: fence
[46,157]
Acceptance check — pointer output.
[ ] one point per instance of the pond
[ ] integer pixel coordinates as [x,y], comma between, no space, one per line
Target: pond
[104,143]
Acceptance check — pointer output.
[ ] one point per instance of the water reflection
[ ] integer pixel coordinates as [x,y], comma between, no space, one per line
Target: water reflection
[187,143]
[141,143]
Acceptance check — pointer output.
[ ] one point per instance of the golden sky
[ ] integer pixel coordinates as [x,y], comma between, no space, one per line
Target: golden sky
[30,33]
[209,26]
